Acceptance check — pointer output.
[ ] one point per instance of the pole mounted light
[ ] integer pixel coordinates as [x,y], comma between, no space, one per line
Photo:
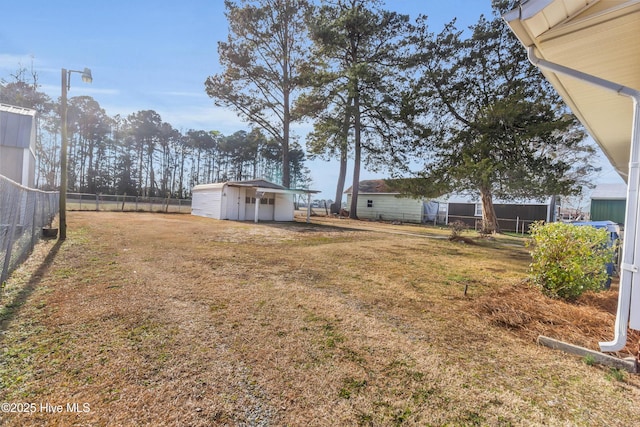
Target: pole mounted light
[66,85]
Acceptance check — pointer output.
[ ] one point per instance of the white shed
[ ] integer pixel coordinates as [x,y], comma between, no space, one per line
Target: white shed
[257,200]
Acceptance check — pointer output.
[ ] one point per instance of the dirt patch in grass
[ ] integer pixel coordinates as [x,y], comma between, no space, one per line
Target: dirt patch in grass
[150,319]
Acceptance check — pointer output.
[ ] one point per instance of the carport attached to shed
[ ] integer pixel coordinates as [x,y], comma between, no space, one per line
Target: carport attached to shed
[256,200]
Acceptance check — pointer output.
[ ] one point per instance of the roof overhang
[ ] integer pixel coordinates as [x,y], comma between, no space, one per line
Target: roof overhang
[598,38]
[285,190]
[253,186]
[17,110]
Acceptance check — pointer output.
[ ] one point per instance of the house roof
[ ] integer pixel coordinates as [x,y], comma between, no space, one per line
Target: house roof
[609,192]
[598,38]
[372,186]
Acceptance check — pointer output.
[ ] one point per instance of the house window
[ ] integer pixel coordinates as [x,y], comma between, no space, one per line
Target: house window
[272,201]
[369,203]
[478,209]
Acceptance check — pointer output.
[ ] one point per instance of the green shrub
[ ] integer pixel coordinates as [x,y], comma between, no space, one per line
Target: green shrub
[568,260]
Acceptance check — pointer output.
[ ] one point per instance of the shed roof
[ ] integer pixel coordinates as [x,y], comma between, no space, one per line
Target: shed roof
[257,184]
[596,37]
[262,183]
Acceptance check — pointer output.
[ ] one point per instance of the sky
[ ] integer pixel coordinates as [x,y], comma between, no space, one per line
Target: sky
[156,55]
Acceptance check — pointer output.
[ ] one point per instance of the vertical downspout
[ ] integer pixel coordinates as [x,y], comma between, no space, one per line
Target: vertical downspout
[629,270]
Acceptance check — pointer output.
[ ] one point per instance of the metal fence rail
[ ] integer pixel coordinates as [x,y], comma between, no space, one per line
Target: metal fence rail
[518,225]
[23,213]
[123,203]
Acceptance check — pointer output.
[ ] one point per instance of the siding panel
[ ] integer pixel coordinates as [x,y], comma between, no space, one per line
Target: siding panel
[388,207]
[611,210]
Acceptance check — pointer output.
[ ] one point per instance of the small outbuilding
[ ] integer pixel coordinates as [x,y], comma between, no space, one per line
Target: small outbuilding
[376,201]
[255,200]
[608,203]
[513,215]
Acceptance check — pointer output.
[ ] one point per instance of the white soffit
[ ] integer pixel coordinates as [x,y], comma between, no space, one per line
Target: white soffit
[600,38]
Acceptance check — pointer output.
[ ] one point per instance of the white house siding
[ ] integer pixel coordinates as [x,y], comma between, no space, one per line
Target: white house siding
[233,203]
[206,201]
[283,209]
[388,207]
[267,205]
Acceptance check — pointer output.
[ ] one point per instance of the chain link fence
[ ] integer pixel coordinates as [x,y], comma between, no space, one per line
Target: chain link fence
[23,214]
[123,203]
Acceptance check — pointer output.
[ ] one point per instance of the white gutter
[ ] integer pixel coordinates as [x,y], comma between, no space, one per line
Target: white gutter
[630,274]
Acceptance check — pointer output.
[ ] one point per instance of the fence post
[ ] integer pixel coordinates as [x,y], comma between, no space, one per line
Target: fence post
[33,220]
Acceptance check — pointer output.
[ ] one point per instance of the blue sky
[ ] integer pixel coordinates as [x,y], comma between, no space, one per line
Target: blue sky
[156,55]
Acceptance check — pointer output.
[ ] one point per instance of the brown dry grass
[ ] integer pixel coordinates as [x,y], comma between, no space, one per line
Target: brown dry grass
[177,320]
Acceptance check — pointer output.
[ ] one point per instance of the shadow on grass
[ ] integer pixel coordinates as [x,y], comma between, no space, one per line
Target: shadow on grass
[11,308]
[305,226]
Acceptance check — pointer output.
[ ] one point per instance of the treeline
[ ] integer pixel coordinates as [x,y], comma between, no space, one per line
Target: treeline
[140,154]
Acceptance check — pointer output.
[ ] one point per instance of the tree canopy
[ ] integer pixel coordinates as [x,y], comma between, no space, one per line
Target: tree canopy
[496,127]
[354,93]
[262,61]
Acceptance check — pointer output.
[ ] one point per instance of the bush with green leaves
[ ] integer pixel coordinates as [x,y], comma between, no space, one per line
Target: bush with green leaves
[568,259]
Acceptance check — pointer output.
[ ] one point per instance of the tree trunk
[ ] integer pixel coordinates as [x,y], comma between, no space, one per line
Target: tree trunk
[489,219]
[337,204]
[286,174]
[353,210]
[181,183]
[140,159]
[344,151]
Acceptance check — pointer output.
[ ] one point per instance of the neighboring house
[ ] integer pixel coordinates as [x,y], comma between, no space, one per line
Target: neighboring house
[589,51]
[515,215]
[608,203]
[18,144]
[256,200]
[376,201]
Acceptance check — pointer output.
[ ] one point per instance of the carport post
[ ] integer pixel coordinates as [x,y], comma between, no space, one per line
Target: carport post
[308,208]
[259,195]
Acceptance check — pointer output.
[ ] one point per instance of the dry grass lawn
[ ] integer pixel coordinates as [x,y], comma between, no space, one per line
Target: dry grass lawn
[175,320]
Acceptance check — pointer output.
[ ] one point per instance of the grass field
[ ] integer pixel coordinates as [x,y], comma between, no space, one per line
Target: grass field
[174,320]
